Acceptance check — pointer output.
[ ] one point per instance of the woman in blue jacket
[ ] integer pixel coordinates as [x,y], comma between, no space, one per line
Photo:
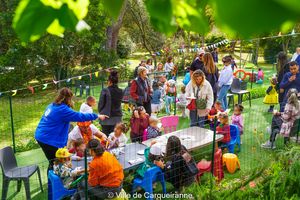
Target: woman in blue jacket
[52,130]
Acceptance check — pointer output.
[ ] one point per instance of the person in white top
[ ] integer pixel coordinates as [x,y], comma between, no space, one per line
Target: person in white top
[118,138]
[225,81]
[199,89]
[86,131]
[182,102]
[87,107]
[296,54]
[169,64]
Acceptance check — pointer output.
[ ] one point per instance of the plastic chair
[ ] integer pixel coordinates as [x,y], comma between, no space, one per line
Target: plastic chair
[234,138]
[56,189]
[145,133]
[231,162]
[169,123]
[205,166]
[152,175]
[236,89]
[11,172]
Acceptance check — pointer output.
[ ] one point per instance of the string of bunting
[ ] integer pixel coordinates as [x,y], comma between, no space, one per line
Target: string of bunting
[182,49]
[45,85]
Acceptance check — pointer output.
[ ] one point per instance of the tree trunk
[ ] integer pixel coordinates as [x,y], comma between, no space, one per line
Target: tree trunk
[255,52]
[112,31]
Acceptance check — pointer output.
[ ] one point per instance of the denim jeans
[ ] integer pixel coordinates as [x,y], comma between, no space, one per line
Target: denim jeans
[169,101]
[196,120]
[223,96]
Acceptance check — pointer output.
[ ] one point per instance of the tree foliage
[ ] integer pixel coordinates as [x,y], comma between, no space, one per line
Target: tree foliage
[243,18]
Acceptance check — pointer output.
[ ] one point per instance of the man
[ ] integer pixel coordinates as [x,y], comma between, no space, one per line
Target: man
[290,80]
[140,90]
[197,63]
[215,55]
[142,64]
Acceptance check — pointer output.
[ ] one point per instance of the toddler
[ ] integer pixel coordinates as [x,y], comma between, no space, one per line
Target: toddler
[78,149]
[271,97]
[63,167]
[237,118]
[118,137]
[153,129]
[156,98]
[182,102]
[138,123]
[87,107]
[215,111]
[153,157]
[224,128]
[170,89]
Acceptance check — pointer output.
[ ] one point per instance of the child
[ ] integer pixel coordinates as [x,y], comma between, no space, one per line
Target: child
[170,89]
[138,122]
[118,137]
[282,122]
[63,167]
[153,129]
[87,107]
[237,118]
[224,128]
[272,96]
[176,167]
[105,173]
[153,157]
[260,74]
[78,149]
[156,97]
[215,111]
[182,102]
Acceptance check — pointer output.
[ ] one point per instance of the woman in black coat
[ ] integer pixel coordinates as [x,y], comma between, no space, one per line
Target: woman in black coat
[282,68]
[110,103]
[211,73]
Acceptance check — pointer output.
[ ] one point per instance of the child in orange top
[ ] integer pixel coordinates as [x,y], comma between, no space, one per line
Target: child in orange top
[224,127]
[105,173]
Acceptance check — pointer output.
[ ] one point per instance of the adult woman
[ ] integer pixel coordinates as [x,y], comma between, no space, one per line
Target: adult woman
[176,168]
[199,90]
[225,80]
[52,130]
[160,76]
[140,90]
[211,73]
[169,64]
[282,68]
[149,65]
[110,104]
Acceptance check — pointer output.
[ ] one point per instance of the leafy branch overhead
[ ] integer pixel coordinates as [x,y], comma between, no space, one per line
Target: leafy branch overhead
[34,18]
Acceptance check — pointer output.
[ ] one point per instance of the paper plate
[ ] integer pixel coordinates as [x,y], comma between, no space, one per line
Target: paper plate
[140,152]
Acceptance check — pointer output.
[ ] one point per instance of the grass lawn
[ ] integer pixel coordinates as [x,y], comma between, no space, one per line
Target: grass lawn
[251,155]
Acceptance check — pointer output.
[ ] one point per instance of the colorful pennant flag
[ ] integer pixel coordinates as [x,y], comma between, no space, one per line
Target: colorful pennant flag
[55,82]
[293,32]
[0,94]
[31,89]
[96,74]
[79,77]
[14,92]
[68,80]
[45,86]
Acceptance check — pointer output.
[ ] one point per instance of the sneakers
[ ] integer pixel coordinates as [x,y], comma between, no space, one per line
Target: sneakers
[268,145]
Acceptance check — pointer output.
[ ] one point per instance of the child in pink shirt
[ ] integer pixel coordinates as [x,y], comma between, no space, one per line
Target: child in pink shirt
[237,118]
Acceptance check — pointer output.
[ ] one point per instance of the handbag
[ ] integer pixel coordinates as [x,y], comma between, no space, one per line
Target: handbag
[191,166]
[192,105]
[200,103]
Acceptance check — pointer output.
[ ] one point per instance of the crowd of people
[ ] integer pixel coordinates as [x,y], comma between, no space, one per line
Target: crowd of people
[203,95]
